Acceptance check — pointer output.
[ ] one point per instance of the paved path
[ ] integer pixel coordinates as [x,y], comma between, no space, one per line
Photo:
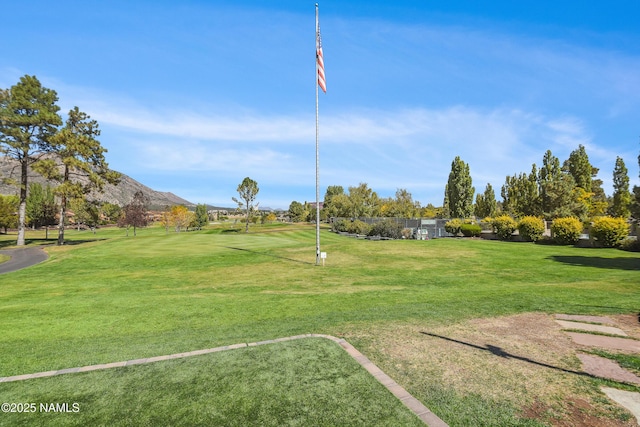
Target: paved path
[602,367]
[22,258]
[428,417]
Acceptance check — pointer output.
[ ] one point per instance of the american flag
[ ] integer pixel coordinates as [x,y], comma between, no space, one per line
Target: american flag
[320,61]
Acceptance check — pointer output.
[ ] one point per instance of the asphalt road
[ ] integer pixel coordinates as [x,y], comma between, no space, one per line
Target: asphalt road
[22,258]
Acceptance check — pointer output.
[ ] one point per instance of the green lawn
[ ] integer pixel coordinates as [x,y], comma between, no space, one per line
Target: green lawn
[116,298]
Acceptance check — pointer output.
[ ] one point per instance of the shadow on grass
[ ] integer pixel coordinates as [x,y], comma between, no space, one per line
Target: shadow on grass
[497,351]
[79,242]
[599,262]
[267,254]
[28,242]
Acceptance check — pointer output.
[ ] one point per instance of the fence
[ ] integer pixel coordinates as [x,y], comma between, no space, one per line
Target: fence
[434,227]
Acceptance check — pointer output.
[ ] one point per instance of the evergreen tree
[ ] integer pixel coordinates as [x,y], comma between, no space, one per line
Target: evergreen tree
[79,165]
[460,190]
[28,119]
[621,195]
[201,217]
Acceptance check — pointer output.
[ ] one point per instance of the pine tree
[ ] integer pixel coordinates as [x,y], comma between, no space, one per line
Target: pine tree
[28,119]
[79,165]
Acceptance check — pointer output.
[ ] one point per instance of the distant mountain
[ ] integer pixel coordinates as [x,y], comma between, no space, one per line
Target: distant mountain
[120,194]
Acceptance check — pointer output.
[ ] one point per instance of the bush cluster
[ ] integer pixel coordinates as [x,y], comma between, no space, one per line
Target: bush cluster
[453,226]
[353,227]
[609,232]
[470,230]
[504,226]
[566,231]
[531,228]
[387,228]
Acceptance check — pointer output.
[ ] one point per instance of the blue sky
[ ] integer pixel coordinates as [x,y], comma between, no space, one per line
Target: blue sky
[193,96]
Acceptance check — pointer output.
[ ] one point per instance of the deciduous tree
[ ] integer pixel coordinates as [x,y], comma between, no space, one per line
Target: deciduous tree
[134,214]
[579,167]
[486,205]
[363,201]
[298,212]
[28,119]
[330,208]
[180,217]
[621,195]
[41,205]
[8,212]
[520,194]
[247,190]
[460,190]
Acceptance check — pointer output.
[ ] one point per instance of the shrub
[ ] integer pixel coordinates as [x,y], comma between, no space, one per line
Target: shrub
[359,227]
[453,226]
[631,245]
[470,230]
[566,231]
[504,226]
[340,225]
[609,232]
[531,228]
[387,228]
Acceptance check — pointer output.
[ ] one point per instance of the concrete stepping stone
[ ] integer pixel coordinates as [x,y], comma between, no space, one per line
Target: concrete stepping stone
[611,343]
[582,318]
[605,368]
[627,399]
[591,327]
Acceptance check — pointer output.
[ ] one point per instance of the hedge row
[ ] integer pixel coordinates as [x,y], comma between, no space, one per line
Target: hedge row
[387,228]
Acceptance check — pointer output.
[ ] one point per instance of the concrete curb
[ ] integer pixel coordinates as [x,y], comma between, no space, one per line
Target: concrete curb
[428,417]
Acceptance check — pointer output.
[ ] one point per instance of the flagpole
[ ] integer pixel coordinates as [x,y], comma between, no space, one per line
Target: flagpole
[317,151]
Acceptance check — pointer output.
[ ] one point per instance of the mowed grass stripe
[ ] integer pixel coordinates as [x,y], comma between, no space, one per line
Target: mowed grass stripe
[126,298]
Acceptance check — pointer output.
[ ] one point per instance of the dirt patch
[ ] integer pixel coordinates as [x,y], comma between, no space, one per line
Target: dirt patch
[523,360]
[629,323]
[578,413]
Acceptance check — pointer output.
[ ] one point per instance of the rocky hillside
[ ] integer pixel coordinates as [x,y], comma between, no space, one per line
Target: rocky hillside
[120,194]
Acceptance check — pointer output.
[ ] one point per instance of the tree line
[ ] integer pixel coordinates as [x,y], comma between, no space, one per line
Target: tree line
[553,190]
